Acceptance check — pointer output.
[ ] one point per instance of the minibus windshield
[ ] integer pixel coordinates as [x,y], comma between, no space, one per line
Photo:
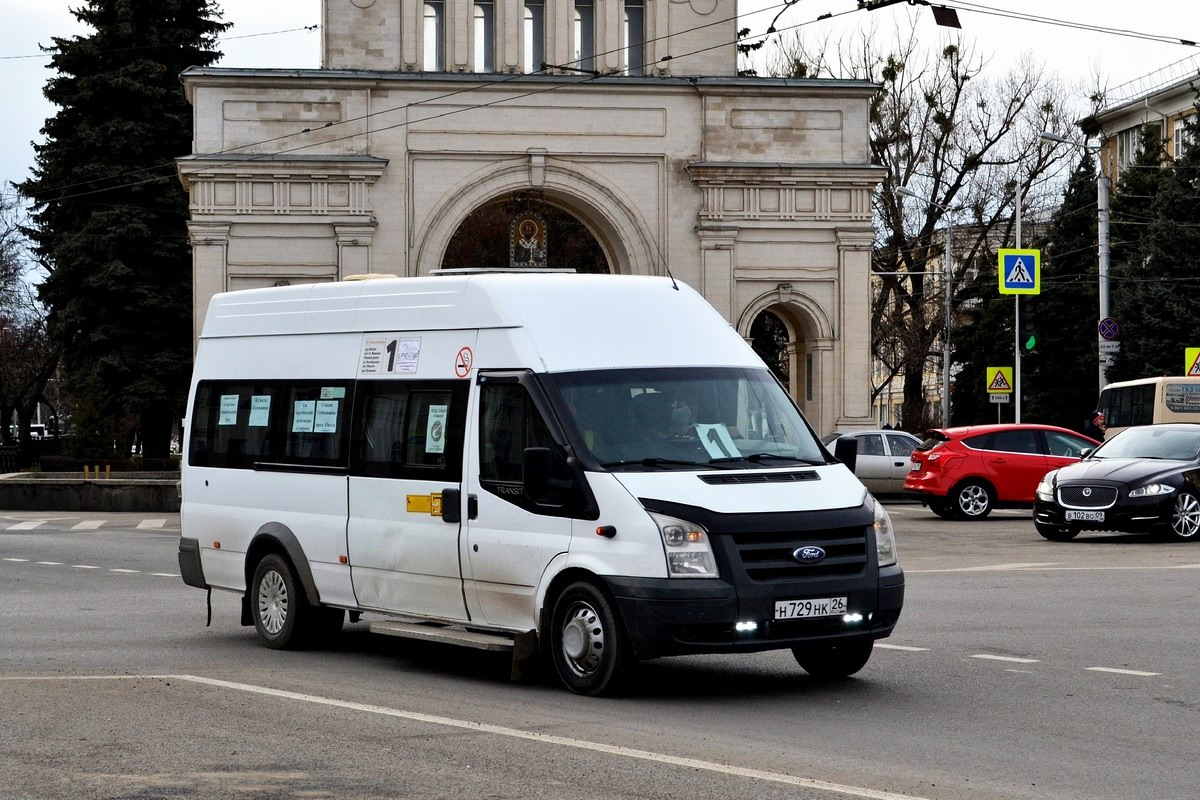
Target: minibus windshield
[687,417]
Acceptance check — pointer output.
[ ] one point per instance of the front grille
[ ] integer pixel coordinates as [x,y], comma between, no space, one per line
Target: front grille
[763,477]
[768,556]
[1087,496]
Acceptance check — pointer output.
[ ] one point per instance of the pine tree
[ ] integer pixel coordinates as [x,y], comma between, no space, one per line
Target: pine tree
[110,215]
[1158,284]
[1059,380]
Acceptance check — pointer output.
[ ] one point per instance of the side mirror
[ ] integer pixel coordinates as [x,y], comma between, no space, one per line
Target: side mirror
[535,473]
[1085,452]
[845,450]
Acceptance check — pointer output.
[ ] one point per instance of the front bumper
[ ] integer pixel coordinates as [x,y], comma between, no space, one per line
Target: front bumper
[1137,515]
[666,616]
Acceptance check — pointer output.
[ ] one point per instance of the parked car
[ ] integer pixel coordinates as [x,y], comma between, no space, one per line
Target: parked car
[963,473]
[883,458]
[1143,480]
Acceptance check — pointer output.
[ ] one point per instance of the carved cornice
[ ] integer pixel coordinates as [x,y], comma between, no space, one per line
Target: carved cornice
[778,192]
[321,186]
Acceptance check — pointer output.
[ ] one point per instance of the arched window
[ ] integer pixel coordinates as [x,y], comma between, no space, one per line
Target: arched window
[535,35]
[585,34]
[635,37]
[485,22]
[435,36]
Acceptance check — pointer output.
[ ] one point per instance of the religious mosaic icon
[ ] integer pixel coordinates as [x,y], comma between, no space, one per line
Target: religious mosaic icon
[527,242]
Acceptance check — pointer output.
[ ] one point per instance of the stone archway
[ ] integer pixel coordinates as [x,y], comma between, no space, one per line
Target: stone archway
[484,238]
[792,329]
[627,240]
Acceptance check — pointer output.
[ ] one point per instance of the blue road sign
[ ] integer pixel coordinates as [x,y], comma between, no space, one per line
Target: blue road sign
[1020,271]
[1108,329]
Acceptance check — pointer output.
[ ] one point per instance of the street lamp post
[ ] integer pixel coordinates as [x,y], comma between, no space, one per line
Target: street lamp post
[947,275]
[1103,183]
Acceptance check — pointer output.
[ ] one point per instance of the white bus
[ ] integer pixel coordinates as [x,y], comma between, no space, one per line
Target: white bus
[594,467]
[1148,401]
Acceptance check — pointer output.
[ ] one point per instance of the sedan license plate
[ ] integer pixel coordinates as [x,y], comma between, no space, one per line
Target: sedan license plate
[913,466]
[1085,516]
[800,609]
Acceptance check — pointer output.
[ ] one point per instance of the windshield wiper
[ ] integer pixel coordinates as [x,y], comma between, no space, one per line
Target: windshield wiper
[757,457]
[654,462]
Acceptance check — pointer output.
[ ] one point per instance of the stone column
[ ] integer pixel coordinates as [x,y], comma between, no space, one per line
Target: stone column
[210,268]
[716,267]
[354,249]
[854,303]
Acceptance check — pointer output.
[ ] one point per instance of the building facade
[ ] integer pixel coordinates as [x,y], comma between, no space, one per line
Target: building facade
[1165,98]
[616,132]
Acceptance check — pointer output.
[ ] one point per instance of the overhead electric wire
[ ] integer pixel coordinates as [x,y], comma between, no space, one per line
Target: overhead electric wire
[964,5]
[52,51]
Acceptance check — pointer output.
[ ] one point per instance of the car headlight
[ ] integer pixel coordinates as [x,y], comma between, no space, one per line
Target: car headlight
[885,537]
[1151,490]
[689,553]
[1045,488]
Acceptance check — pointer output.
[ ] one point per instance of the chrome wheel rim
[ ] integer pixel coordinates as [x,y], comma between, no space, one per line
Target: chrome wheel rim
[973,500]
[272,602]
[1185,519]
[582,643]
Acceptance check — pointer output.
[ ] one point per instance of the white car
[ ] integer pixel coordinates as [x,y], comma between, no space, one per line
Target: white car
[884,458]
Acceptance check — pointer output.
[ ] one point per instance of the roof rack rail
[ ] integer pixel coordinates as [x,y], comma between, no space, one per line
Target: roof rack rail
[495,270]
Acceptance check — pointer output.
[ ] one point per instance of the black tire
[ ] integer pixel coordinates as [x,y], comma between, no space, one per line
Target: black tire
[943,509]
[283,617]
[972,500]
[588,645]
[834,661]
[1185,518]
[1056,533]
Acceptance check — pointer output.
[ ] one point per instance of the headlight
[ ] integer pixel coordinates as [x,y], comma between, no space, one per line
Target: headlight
[689,554]
[885,537]
[1045,488]
[1151,490]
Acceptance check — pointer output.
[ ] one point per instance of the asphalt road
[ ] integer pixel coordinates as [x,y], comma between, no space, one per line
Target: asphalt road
[1021,668]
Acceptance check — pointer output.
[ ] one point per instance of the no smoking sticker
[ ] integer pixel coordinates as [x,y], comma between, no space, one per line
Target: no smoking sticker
[462,362]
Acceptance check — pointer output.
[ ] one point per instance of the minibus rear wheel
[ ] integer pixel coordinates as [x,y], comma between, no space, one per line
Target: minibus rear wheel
[588,645]
[282,614]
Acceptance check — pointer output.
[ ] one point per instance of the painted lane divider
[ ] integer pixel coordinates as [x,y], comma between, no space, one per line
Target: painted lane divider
[1009,659]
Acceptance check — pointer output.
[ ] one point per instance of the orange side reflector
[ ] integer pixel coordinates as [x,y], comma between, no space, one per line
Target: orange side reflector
[343,560]
[216,545]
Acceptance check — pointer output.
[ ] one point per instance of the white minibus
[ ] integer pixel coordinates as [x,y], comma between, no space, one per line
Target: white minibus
[593,468]
[1147,401]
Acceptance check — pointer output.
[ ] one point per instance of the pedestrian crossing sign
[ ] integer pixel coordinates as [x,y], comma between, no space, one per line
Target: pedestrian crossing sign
[1020,271]
[999,380]
[1191,361]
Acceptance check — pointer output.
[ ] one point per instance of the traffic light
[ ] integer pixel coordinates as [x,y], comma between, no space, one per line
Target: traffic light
[1030,338]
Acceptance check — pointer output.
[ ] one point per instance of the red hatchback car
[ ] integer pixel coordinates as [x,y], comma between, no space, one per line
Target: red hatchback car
[963,473]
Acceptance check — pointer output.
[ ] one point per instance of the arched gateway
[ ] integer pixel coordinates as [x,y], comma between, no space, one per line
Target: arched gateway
[755,191]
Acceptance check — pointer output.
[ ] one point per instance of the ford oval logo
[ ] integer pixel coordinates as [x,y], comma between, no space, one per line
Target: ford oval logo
[809,555]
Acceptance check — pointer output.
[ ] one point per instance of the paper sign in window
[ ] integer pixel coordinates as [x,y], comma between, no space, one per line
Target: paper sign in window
[326,419]
[717,441]
[435,429]
[260,410]
[333,392]
[389,355]
[304,413]
[229,409]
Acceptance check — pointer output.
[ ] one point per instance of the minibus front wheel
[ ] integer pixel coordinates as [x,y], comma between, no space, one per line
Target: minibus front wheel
[834,661]
[282,614]
[588,645]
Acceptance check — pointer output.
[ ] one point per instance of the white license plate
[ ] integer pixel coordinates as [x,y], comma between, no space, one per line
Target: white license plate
[1085,516]
[799,609]
[913,466]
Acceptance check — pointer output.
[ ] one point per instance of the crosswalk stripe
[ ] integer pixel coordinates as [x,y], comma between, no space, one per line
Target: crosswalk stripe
[27,525]
[88,525]
[151,523]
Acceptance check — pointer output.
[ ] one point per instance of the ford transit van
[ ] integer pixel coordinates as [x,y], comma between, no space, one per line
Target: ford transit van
[596,469]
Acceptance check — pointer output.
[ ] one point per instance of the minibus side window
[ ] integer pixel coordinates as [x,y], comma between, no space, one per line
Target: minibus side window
[410,429]
[509,423]
[241,425]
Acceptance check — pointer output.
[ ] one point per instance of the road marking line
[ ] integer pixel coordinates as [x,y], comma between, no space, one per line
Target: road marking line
[165,574]
[50,563]
[151,523]
[545,738]
[906,648]
[16,559]
[908,571]
[1012,659]
[999,567]
[1136,672]
[88,525]
[118,569]
[84,566]
[27,525]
